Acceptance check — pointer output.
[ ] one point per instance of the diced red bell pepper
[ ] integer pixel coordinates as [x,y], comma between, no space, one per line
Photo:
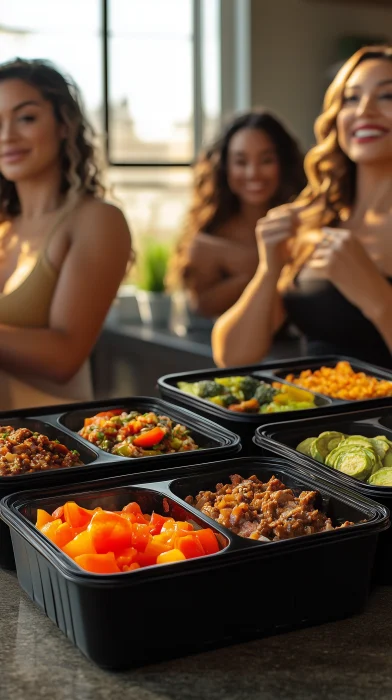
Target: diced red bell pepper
[131,428]
[133,509]
[42,518]
[103,414]
[98,563]
[131,567]
[75,515]
[190,546]
[140,536]
[110,532]
[170,557]
[156,523]
[208,540]
[81,544]
[58,513]
[149,438]
[125,558]
[65,533]
[49,530]
[144,559]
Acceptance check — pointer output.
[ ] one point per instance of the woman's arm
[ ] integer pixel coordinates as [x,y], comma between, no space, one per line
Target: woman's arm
[89,278]
[217,273]
[244,333]
[218,297]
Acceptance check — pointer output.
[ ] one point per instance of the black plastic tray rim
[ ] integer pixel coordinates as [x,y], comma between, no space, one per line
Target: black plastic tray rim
[10,512]
[52,416]
[167,385]
[263,440]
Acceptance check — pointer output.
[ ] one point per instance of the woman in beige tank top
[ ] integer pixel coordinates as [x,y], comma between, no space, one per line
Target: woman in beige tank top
[63,250]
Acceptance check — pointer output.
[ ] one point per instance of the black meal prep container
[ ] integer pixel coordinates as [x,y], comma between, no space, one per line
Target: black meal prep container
[63,422]
[245,424]
[282,438]
[248,589]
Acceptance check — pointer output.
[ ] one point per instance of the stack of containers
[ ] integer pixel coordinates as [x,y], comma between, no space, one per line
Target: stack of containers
[94,609]
[172,609]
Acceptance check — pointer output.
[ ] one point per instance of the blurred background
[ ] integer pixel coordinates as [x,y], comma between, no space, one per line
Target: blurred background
[159,76]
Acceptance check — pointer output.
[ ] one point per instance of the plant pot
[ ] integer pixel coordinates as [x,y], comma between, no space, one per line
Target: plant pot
[154,307]
[184,319]
[127,305]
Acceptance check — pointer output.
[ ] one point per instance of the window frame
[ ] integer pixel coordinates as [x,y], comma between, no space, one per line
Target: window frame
[197,117]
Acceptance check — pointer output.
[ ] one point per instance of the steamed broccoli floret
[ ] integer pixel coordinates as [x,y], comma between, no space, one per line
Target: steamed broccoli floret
[264,393]
[243,388]
[207,388]
[248,386]
[228,400]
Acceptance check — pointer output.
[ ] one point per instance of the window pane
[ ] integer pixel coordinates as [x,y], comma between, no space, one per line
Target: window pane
[41,29]
[151,80]
[211,68]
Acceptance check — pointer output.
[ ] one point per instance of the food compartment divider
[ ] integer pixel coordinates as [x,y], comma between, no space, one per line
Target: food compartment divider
[321,400]
[172,609]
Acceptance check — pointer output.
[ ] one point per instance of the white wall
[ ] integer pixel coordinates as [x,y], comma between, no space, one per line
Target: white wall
[294,43]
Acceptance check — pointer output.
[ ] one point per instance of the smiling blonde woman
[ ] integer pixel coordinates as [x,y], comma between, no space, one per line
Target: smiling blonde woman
[326,260]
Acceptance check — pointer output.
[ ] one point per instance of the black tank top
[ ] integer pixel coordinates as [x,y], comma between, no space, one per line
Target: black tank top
[332,325]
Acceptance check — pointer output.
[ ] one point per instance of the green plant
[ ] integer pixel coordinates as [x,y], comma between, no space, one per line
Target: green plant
[152,264]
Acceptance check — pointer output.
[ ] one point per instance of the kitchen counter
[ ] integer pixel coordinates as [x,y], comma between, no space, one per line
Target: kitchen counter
[345,660]
[128,358]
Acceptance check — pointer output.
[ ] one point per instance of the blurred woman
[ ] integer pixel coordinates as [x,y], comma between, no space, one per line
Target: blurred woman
[326,260]
[255,165]
[63,250]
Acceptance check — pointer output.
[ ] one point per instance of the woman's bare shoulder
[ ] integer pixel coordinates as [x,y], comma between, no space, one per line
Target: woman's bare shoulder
[103,218]
[97,208]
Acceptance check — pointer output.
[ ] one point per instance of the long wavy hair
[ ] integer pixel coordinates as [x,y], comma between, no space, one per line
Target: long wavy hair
[79,169]
[331,174]
[213,202]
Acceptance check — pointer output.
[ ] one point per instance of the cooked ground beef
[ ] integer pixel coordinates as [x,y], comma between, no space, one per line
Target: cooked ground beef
[256,509]
[25,452]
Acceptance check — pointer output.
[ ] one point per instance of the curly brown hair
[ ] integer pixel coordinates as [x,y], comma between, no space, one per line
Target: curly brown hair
[213,202]
[79,169]
[331,174]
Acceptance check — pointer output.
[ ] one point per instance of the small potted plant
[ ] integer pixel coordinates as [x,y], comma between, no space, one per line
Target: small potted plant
[154,303]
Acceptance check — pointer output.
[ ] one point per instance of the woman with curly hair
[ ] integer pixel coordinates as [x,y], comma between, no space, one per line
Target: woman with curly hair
[63,250]
[255,165]
[326,260]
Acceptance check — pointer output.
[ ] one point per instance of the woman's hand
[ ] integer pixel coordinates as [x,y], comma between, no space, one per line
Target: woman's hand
[274,233]
[341,259]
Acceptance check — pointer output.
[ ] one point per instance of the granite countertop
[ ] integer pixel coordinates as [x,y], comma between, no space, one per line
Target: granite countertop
[345,660]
